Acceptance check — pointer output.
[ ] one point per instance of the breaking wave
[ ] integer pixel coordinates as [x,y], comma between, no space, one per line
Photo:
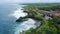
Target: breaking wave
[19,13]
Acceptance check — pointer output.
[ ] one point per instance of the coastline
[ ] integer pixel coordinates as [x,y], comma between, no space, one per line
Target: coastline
[25,25]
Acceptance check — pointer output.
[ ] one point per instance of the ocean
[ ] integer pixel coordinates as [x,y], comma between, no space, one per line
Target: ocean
[9,13]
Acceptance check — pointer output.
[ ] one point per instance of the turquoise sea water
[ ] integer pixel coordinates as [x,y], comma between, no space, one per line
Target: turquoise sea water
[7,23]
[9,13]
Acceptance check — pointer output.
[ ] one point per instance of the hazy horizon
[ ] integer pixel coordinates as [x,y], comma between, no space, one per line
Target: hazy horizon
[28,1]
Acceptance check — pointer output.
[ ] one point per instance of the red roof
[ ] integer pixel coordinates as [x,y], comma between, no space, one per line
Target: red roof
[57,14]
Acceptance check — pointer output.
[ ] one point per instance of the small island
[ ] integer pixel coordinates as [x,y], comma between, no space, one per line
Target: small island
[47,14]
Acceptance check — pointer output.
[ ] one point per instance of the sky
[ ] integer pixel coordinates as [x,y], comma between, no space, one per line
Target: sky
[29,1]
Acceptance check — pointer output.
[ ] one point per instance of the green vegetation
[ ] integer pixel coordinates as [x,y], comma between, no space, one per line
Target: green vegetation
[44,28]
[50,26]
[46,7]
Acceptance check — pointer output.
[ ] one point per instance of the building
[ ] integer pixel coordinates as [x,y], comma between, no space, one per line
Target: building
[57,14]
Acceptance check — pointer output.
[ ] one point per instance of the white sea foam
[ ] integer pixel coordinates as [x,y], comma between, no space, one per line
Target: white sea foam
[18,13]
[25,26]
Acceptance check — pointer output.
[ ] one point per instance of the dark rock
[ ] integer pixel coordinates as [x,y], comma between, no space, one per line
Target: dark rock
[21,19]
